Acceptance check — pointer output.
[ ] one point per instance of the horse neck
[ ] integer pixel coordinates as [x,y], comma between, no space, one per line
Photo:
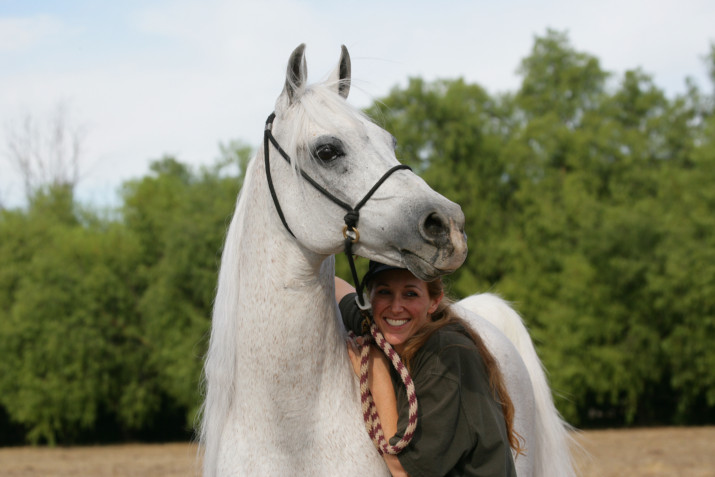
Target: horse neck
[274,309]
[285,293]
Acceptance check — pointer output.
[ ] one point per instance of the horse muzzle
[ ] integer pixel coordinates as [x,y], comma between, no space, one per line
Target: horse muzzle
[444,244]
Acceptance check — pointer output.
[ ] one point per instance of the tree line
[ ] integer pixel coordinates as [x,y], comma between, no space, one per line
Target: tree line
[589,205]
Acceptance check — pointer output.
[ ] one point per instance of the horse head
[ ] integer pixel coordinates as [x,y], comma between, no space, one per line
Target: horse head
[339,161]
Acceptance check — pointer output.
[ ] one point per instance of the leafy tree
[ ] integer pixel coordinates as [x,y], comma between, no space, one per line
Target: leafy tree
[586,242]
[562,185]
[72,347]
[682,286]
[559,80]
[102,321]
[179,219]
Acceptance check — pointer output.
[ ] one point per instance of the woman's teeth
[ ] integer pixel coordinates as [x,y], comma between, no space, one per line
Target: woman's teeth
[392,322]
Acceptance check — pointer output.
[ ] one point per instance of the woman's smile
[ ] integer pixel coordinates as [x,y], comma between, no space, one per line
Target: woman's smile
[396,323]
[401,305]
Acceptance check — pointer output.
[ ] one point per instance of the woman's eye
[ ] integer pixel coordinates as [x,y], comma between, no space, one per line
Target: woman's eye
[328,153]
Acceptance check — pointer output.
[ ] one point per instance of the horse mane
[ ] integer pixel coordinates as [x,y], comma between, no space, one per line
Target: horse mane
[218,381]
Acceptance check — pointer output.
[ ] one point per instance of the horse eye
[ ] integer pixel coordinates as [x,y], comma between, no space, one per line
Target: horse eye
[328,152]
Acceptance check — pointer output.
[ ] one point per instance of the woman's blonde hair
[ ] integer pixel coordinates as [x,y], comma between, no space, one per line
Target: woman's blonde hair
[445,315]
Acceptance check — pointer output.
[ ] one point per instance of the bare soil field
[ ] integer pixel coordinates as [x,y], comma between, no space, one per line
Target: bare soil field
[672,452]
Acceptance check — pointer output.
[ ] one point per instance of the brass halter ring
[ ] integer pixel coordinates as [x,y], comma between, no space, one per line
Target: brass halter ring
[353,234]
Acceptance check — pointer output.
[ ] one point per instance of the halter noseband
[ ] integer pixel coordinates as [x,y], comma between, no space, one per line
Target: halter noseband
[350,231]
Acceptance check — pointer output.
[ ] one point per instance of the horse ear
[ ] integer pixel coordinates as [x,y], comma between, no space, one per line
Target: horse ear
[297,73]
[341,75]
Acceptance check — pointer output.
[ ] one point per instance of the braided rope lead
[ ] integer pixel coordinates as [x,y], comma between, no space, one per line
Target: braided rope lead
[369,411]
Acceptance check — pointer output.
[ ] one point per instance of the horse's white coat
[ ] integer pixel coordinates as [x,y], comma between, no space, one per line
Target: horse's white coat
[293,406]
[281,397]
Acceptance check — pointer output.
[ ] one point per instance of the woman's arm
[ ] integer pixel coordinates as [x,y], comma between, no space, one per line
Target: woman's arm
[383,393]
[379,382]
[342,288]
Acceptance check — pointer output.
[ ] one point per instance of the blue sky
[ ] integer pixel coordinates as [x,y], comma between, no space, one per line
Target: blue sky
[148,78]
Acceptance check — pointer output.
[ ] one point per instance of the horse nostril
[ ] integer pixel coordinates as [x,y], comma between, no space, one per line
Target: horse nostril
[435,227]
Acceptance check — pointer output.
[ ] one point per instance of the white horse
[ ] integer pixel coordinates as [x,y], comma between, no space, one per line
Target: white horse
[281,397]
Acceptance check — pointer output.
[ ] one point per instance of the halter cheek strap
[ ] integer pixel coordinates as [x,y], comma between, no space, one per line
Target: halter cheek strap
[268,136]
[350,230]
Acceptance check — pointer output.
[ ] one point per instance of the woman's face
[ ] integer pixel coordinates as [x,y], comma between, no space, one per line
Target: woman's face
[401,305]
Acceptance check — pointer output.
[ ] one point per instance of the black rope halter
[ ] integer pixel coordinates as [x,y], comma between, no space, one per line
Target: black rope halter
[350,230]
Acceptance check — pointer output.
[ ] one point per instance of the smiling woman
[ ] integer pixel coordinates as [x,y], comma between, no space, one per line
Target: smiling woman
[465,417]
[401,303]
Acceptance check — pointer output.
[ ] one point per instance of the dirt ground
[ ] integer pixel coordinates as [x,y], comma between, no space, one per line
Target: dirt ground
[672,452]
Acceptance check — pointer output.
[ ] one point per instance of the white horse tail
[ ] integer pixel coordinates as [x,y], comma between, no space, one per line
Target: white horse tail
[551,451]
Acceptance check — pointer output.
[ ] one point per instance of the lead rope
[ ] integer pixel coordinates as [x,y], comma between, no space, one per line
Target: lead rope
[369,411]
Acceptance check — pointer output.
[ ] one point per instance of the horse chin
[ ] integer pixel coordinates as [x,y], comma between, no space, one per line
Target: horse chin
[421,268]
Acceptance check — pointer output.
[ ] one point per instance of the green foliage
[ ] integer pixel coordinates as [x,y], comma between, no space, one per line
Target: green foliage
[589,204]
[179,219]
[590,208]
[103,323]
[71,340]
[559,80]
